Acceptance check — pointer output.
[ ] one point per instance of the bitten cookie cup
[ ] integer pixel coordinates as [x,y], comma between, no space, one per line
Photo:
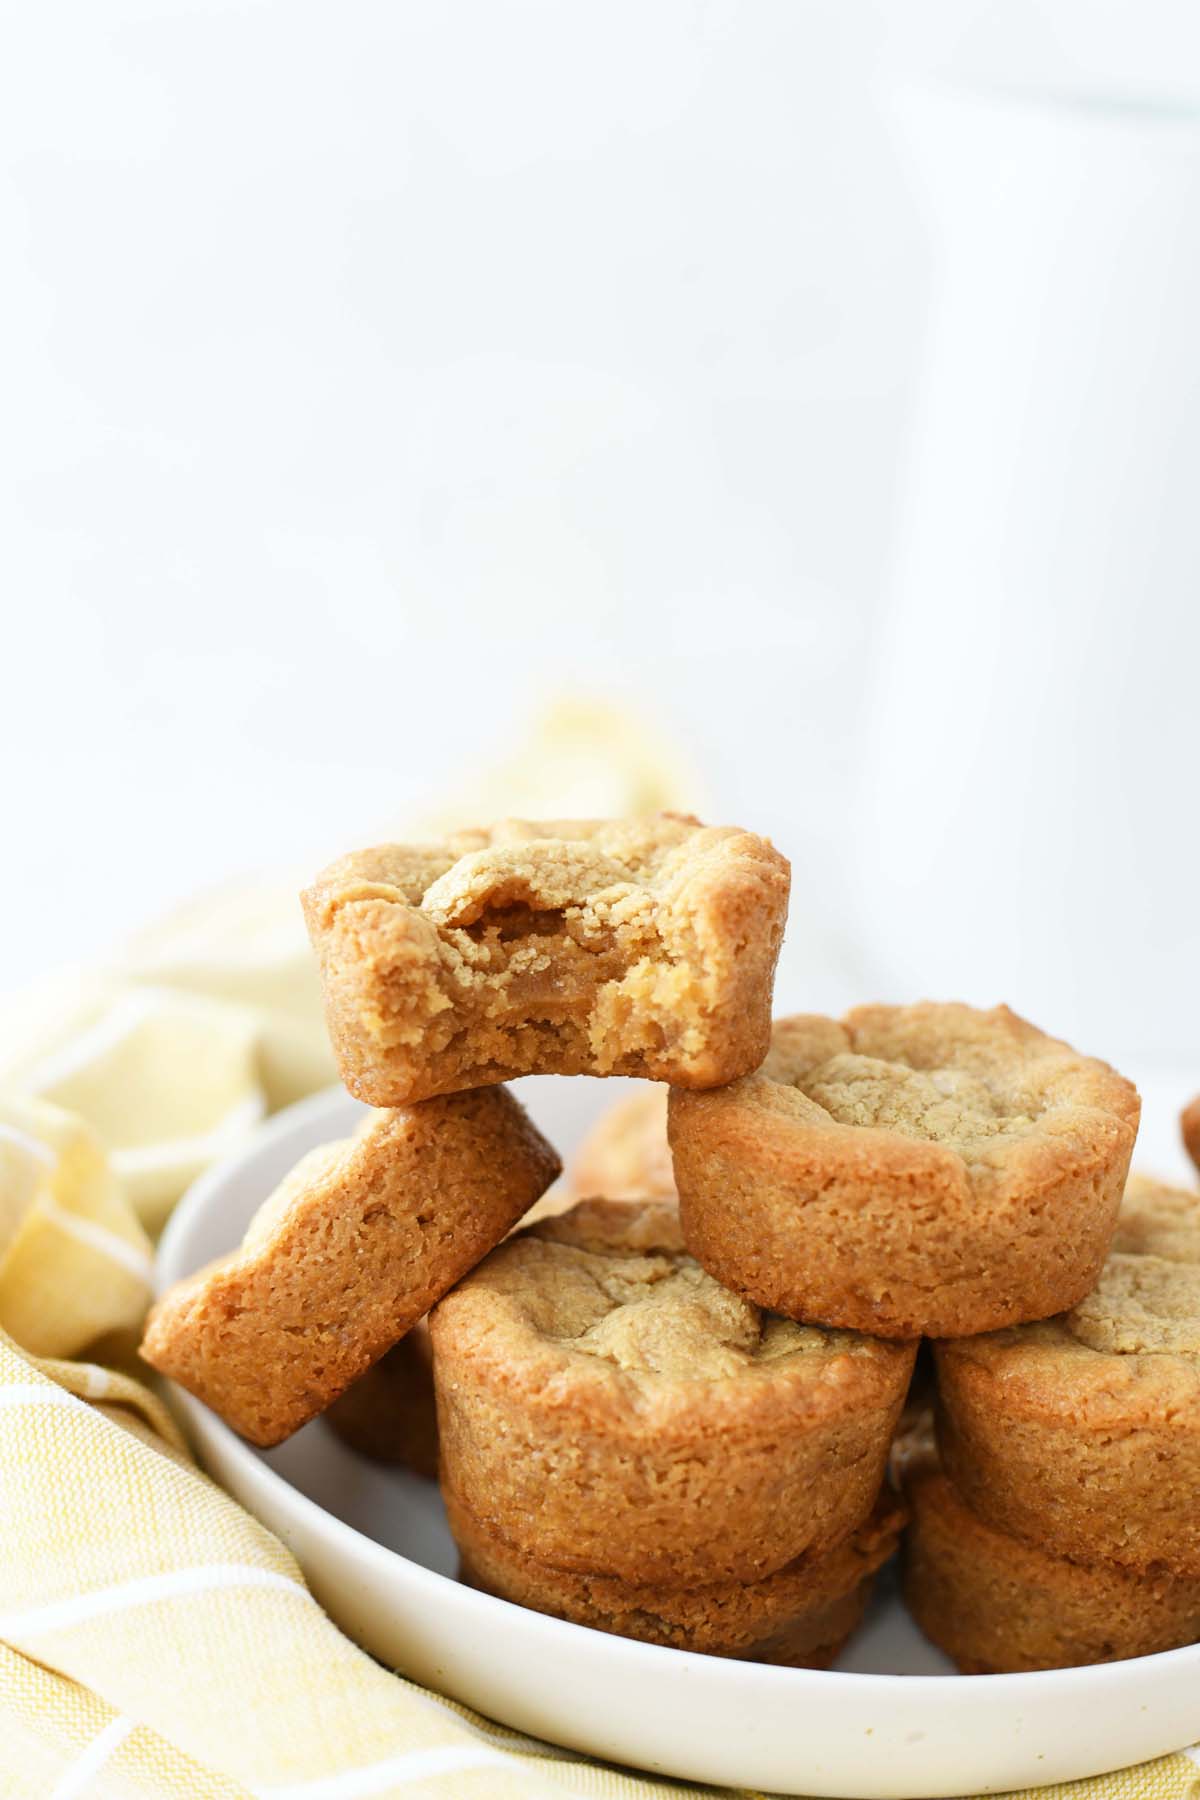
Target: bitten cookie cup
[626,1152]
[801,1615]
[917,1170]
[1082,1433]
[576,947]
[606,1408]
[389,1414]
[997,1605]
[349,1252]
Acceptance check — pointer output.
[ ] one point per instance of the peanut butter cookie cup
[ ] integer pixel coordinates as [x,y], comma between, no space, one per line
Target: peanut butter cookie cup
[626,1152]
[389,1414]
[348,1253]
[926,1169]
[607,1408]
[1082,1433]
[801,1615]
[581,947]
[997,1605]
[1189,1123]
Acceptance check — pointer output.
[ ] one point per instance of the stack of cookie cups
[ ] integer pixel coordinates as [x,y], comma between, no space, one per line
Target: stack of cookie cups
[957,1175]
[622,1441]
[626,1444]
[589,947]
[668,1412]
[1058,1520]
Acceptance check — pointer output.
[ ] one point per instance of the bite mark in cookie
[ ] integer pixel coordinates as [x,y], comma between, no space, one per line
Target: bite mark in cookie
[571,947]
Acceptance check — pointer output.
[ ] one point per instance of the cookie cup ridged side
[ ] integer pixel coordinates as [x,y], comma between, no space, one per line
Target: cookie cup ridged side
[580,1464]
[389,1414]
[1095,1456]
[802,1614]
[997,1605]
[886,1234]
[353,1247]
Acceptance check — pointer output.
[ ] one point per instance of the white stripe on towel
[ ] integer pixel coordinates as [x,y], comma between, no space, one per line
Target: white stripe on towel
[60,1615]
[131,1257]
[78,1778]
[397,1771]
[36,1393]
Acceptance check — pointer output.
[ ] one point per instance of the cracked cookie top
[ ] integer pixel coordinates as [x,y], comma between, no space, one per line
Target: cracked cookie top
[975,1083]
[1132,1346]
[1147,1300]
[607,1294]
[1157,1220]
[601,1284]
[593,867]
[1141,1306]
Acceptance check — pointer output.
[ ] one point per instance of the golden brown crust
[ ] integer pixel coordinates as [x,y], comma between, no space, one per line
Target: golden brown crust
[1190,1126]
[1157,1220]
[926,1169]
[389,1414]
[800,1615]
[605,1407]
[348,1253]
[626,1152]
[577,947]
[997,1605]
[1082,1432]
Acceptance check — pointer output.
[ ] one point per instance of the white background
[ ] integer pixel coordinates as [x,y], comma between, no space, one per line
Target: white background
[374,373]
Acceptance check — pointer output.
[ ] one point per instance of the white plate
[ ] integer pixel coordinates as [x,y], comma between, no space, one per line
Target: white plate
[892,1720]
